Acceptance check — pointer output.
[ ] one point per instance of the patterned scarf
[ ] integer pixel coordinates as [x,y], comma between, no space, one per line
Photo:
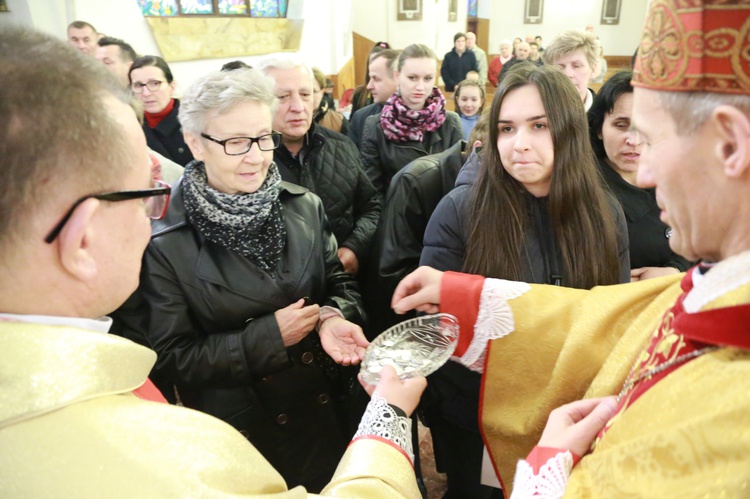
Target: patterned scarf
[250,224]
[401,124]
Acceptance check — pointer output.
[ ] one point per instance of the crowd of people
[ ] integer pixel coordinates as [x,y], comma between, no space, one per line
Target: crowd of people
[243,243]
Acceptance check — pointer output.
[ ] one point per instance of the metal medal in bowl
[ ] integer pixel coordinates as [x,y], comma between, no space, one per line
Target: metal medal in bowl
[416,347]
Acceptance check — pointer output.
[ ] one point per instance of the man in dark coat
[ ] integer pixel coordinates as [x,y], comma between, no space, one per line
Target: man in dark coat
[457,63]
[382,85]
[523,50]
[324,161]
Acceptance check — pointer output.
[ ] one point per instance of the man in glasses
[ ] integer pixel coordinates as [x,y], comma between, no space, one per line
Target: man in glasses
[79,417]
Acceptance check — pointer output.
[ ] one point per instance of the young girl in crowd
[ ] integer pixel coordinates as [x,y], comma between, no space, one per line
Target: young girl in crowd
[469,102]
[538,213]
[152,83]
[413,123]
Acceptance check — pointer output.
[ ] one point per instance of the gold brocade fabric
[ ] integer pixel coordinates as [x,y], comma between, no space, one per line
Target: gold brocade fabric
[70,427]
[568,343]
[690,432]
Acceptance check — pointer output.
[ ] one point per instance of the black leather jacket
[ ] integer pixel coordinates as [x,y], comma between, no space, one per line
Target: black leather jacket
[382,158]
[414,193]
[210,318]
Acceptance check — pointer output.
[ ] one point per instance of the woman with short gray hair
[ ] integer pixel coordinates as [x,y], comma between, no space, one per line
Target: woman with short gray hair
[246,302]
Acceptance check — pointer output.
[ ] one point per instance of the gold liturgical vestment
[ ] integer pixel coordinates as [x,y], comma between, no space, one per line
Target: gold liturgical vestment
[688,434]
[70,426]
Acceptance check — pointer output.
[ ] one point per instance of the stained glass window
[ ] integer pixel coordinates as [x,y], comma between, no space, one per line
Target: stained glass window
[197,6]
[268,8]
[159,8]
[233,7]
[253,8]
[472,8]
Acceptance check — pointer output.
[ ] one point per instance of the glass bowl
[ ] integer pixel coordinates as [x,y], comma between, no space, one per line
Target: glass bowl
[416,347]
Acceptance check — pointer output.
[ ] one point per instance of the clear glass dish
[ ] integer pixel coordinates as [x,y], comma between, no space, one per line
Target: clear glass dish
[416,347]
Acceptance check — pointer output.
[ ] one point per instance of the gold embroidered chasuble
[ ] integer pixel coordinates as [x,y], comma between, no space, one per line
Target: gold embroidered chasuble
[70,426]
[689,432]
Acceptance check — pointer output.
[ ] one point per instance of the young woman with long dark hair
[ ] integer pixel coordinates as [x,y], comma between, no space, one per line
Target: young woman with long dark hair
[537,212]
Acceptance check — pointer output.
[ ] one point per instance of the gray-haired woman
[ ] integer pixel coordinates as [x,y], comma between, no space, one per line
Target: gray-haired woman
[246,302]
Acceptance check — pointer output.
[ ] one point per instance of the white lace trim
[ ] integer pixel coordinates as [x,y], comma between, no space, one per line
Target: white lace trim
[551,481]
[495,319]
[724,277]
[380,420]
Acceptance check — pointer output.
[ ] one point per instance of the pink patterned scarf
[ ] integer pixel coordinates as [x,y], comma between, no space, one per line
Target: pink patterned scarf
[401,124]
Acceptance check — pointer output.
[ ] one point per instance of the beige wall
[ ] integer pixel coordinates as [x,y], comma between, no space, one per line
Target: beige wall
[376,20]
[506,21]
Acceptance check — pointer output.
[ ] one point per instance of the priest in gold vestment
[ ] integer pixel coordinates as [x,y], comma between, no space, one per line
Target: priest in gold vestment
[670,357]
[78,415]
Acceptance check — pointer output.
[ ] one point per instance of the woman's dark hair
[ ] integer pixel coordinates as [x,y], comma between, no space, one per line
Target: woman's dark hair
[581,217]
[233,65]
[151,60]
[604,103]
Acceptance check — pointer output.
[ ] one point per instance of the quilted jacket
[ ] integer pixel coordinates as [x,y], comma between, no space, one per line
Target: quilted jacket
[329,166]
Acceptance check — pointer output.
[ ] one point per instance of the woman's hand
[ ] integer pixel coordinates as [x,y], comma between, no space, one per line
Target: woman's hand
[574,426]
[420,291]
[651,272]
[296,321]
[403,393]
[343,341]
[348,260]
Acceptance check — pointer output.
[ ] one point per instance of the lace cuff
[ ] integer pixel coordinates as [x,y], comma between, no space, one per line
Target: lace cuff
[494,321]
[551,481]
[380,420]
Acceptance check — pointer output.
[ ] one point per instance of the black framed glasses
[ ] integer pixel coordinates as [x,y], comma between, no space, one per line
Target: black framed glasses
[236,146]
[151,85]
[156,201]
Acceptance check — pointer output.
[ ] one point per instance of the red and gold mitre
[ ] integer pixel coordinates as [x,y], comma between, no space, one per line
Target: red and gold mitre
[695,46]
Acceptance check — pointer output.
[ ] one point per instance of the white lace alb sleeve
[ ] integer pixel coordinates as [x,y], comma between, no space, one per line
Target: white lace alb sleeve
[494,321]
[551,481]
[380,420]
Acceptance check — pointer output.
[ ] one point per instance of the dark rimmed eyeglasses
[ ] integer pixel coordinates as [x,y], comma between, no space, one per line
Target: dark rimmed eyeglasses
[156,201]
[151,85]
[236,146]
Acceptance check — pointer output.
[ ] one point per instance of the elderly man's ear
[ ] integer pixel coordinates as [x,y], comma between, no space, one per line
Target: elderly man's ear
[733,148]
[75,240]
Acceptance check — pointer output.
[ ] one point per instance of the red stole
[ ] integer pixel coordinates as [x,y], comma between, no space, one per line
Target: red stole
[681,333]
[148,391]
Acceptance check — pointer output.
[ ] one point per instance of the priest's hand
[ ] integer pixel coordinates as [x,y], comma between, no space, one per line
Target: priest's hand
[574,426]
[343,340]
[403,393]
[420,291]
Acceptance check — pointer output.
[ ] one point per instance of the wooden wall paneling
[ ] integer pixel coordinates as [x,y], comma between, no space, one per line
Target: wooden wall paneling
[361,47]
[345,79]
[483,34]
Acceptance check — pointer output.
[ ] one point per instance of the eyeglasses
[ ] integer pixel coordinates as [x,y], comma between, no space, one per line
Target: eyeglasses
[156,201]
[236,146]
[152,85]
